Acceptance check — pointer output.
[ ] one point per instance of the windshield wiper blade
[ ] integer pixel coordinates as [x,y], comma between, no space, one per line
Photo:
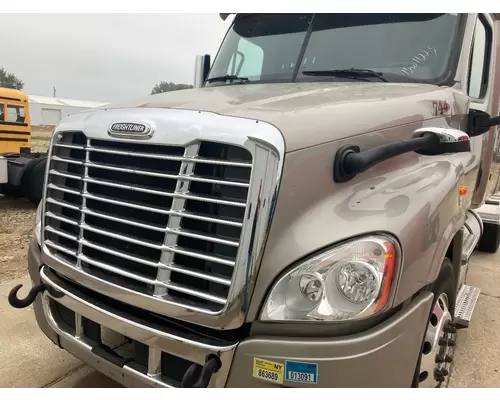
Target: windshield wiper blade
[225,78]
[348,73]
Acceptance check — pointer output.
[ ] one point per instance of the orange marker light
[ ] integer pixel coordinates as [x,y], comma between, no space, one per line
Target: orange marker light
[462,190]
[389,275]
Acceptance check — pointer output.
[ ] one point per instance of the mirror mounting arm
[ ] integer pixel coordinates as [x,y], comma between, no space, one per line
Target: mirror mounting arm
[494,121]
[350,161]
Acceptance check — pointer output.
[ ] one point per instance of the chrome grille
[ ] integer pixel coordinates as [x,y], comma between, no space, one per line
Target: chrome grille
[164,221]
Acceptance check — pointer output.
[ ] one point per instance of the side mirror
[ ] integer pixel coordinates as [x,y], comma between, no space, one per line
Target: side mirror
[450,141]
[480,122]
[201,68]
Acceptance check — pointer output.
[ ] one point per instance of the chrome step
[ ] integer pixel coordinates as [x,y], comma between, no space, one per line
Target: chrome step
[464,307]
[473,229]
[470,242]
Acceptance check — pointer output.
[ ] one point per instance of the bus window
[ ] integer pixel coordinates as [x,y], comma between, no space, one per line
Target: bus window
[2,112]
[15,114]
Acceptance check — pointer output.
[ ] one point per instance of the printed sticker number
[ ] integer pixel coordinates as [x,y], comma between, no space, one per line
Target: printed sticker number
[273,376]
[268,370]
[300,377]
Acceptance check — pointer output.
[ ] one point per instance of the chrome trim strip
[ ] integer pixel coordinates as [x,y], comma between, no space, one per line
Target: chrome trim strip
[187,128]
[156,339]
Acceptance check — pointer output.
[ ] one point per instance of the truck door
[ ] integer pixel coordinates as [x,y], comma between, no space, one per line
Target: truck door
[483,88]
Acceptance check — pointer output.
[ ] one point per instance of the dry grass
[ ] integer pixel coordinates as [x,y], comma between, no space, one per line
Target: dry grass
[17,220]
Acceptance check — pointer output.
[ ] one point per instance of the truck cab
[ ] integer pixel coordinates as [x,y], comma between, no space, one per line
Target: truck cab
[304,217]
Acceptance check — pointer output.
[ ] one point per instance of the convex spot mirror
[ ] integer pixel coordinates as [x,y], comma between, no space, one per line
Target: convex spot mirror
[451,140]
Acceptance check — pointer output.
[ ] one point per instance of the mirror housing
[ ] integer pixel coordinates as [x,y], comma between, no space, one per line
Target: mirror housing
[480,122]
[450,141]
[201,69]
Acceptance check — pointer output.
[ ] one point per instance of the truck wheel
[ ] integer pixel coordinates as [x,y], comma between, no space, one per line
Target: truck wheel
[490,239]
[438,347]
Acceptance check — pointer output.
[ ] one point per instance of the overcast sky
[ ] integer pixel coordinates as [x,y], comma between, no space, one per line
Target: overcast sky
[105,57]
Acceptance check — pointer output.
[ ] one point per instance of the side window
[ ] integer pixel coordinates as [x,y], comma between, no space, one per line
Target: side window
[479,64]
[247,61]
[15,114]
[2,112]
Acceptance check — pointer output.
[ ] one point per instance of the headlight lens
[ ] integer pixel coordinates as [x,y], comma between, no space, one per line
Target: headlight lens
[351,281]
[38,224]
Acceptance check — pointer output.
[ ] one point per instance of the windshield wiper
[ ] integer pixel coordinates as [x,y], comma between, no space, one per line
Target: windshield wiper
[225,78]
[348,73]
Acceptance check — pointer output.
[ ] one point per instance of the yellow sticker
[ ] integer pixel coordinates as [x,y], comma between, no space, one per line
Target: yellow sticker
[268,370]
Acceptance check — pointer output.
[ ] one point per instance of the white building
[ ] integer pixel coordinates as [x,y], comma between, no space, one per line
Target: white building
[48,111]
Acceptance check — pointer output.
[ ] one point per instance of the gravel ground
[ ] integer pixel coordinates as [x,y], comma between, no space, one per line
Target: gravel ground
[17,220]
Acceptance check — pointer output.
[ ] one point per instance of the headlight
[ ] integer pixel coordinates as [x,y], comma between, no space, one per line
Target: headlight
[351,281]
[38,224]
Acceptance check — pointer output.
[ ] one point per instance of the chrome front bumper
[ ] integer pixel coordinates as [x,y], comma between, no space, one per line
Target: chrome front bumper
[157,341]
[384,356]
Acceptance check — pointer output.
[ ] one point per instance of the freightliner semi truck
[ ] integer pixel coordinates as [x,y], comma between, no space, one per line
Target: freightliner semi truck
[303,217]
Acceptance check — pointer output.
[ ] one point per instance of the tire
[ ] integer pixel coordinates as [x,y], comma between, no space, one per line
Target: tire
[438,345]
[490,239]
[34,180]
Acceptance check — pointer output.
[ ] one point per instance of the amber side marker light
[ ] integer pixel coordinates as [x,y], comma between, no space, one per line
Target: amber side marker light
[389,275]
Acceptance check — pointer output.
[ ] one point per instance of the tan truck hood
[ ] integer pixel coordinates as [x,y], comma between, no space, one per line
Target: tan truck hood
[309,114]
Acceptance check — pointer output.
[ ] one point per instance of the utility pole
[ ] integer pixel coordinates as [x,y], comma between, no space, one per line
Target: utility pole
[54,91]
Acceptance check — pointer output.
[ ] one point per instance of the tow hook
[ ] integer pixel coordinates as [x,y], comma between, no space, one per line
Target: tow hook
[203,374]
[16,302]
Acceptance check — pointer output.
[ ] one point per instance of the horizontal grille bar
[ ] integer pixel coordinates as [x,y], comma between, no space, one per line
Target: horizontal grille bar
[151,173]
[183,214]
[155,156]
[61,233]
[136,259]
[158,246]
[62,203]
[57,247]
[63,189]
[171,267]
[61,218]
[160,193]
[180,232]
[178,288]
[140,189]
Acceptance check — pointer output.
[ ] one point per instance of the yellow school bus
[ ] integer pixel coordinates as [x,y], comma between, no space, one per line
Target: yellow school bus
[15,124]
[21,171]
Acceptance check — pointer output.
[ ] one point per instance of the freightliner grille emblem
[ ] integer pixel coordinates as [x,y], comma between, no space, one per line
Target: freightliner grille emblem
[132,130]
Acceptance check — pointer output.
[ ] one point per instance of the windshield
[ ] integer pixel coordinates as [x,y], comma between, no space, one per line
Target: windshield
[309,47]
